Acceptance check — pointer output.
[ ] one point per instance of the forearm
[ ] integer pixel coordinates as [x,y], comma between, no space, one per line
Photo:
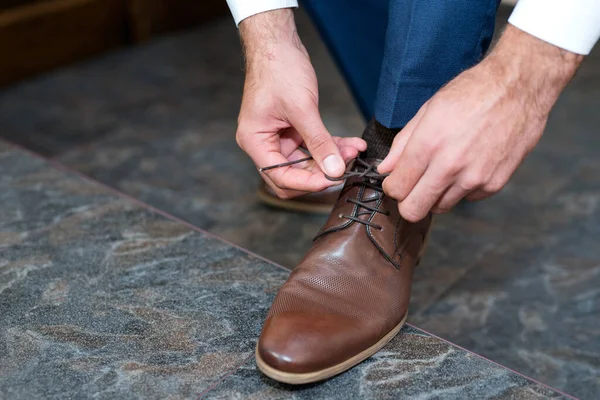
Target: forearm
[263,33]
[533,66]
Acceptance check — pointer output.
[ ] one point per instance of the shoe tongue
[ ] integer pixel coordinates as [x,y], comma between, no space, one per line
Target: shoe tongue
[369,194]
[369,160]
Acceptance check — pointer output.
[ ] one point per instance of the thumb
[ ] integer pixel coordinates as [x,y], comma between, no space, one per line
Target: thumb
[389,162]
[400,141]
[319,142]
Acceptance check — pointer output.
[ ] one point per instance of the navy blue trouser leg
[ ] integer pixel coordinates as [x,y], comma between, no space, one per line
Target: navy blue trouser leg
[428,42]
[422,45]
[354,31]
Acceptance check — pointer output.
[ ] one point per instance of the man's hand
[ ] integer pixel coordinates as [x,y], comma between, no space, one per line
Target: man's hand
[469,138]
[279,112]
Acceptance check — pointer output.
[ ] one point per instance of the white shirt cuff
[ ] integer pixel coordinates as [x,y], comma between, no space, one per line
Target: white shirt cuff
[573,25]
[242,9]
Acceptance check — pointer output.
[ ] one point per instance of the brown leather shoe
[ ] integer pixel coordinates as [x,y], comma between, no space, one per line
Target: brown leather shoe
[315,203]
[349,295]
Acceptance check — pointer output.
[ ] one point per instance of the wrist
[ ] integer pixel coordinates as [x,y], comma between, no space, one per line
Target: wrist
[263,33]
[532,66]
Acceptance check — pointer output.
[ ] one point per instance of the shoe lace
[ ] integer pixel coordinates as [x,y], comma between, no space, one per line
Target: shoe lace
[369,178]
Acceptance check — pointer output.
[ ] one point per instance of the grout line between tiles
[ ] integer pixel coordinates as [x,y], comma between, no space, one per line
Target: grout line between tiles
[58,165]
[493,362]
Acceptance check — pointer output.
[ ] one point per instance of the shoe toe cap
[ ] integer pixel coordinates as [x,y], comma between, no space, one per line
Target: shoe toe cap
[304,343]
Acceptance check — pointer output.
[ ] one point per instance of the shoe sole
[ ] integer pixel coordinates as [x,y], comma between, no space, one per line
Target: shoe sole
[309,377]
[293,205]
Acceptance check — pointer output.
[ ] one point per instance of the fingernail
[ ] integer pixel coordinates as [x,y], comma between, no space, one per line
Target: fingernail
[334,166]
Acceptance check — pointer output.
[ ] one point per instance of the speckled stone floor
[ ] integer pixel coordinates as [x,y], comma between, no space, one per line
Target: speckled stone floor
[514,278]
[100,297]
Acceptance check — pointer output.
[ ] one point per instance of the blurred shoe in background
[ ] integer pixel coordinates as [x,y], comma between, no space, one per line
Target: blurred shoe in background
[314,203]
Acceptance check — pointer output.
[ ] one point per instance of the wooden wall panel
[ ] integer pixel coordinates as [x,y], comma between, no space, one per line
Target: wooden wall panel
[38,37]
[152,17]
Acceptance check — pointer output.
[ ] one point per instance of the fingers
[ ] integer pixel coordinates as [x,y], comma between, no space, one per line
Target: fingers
[350,147]
[426,193]
[289,141]
[494,185]
[348,153]
[282,145]
[472,188]
[319,142]
[408,170]
[281,193]
[298,179]
[287,192]
[265,150]
[418,177]
[449,199]
[356,142]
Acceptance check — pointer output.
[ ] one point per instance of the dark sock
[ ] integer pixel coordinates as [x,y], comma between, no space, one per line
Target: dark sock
[379,139]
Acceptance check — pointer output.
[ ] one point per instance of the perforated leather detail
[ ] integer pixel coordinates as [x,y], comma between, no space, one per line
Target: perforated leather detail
[376,299]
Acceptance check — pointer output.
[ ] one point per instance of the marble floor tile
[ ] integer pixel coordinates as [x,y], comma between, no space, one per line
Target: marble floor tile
[102,298]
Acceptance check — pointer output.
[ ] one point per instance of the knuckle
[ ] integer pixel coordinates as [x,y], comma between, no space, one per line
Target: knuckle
[452,165]
[318,141]
[431,146]
[239,139]
[241,134]
[279,190]
[453,169]
[435,185]
[471,181]
[494,186]
[392,190]
[435,143]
